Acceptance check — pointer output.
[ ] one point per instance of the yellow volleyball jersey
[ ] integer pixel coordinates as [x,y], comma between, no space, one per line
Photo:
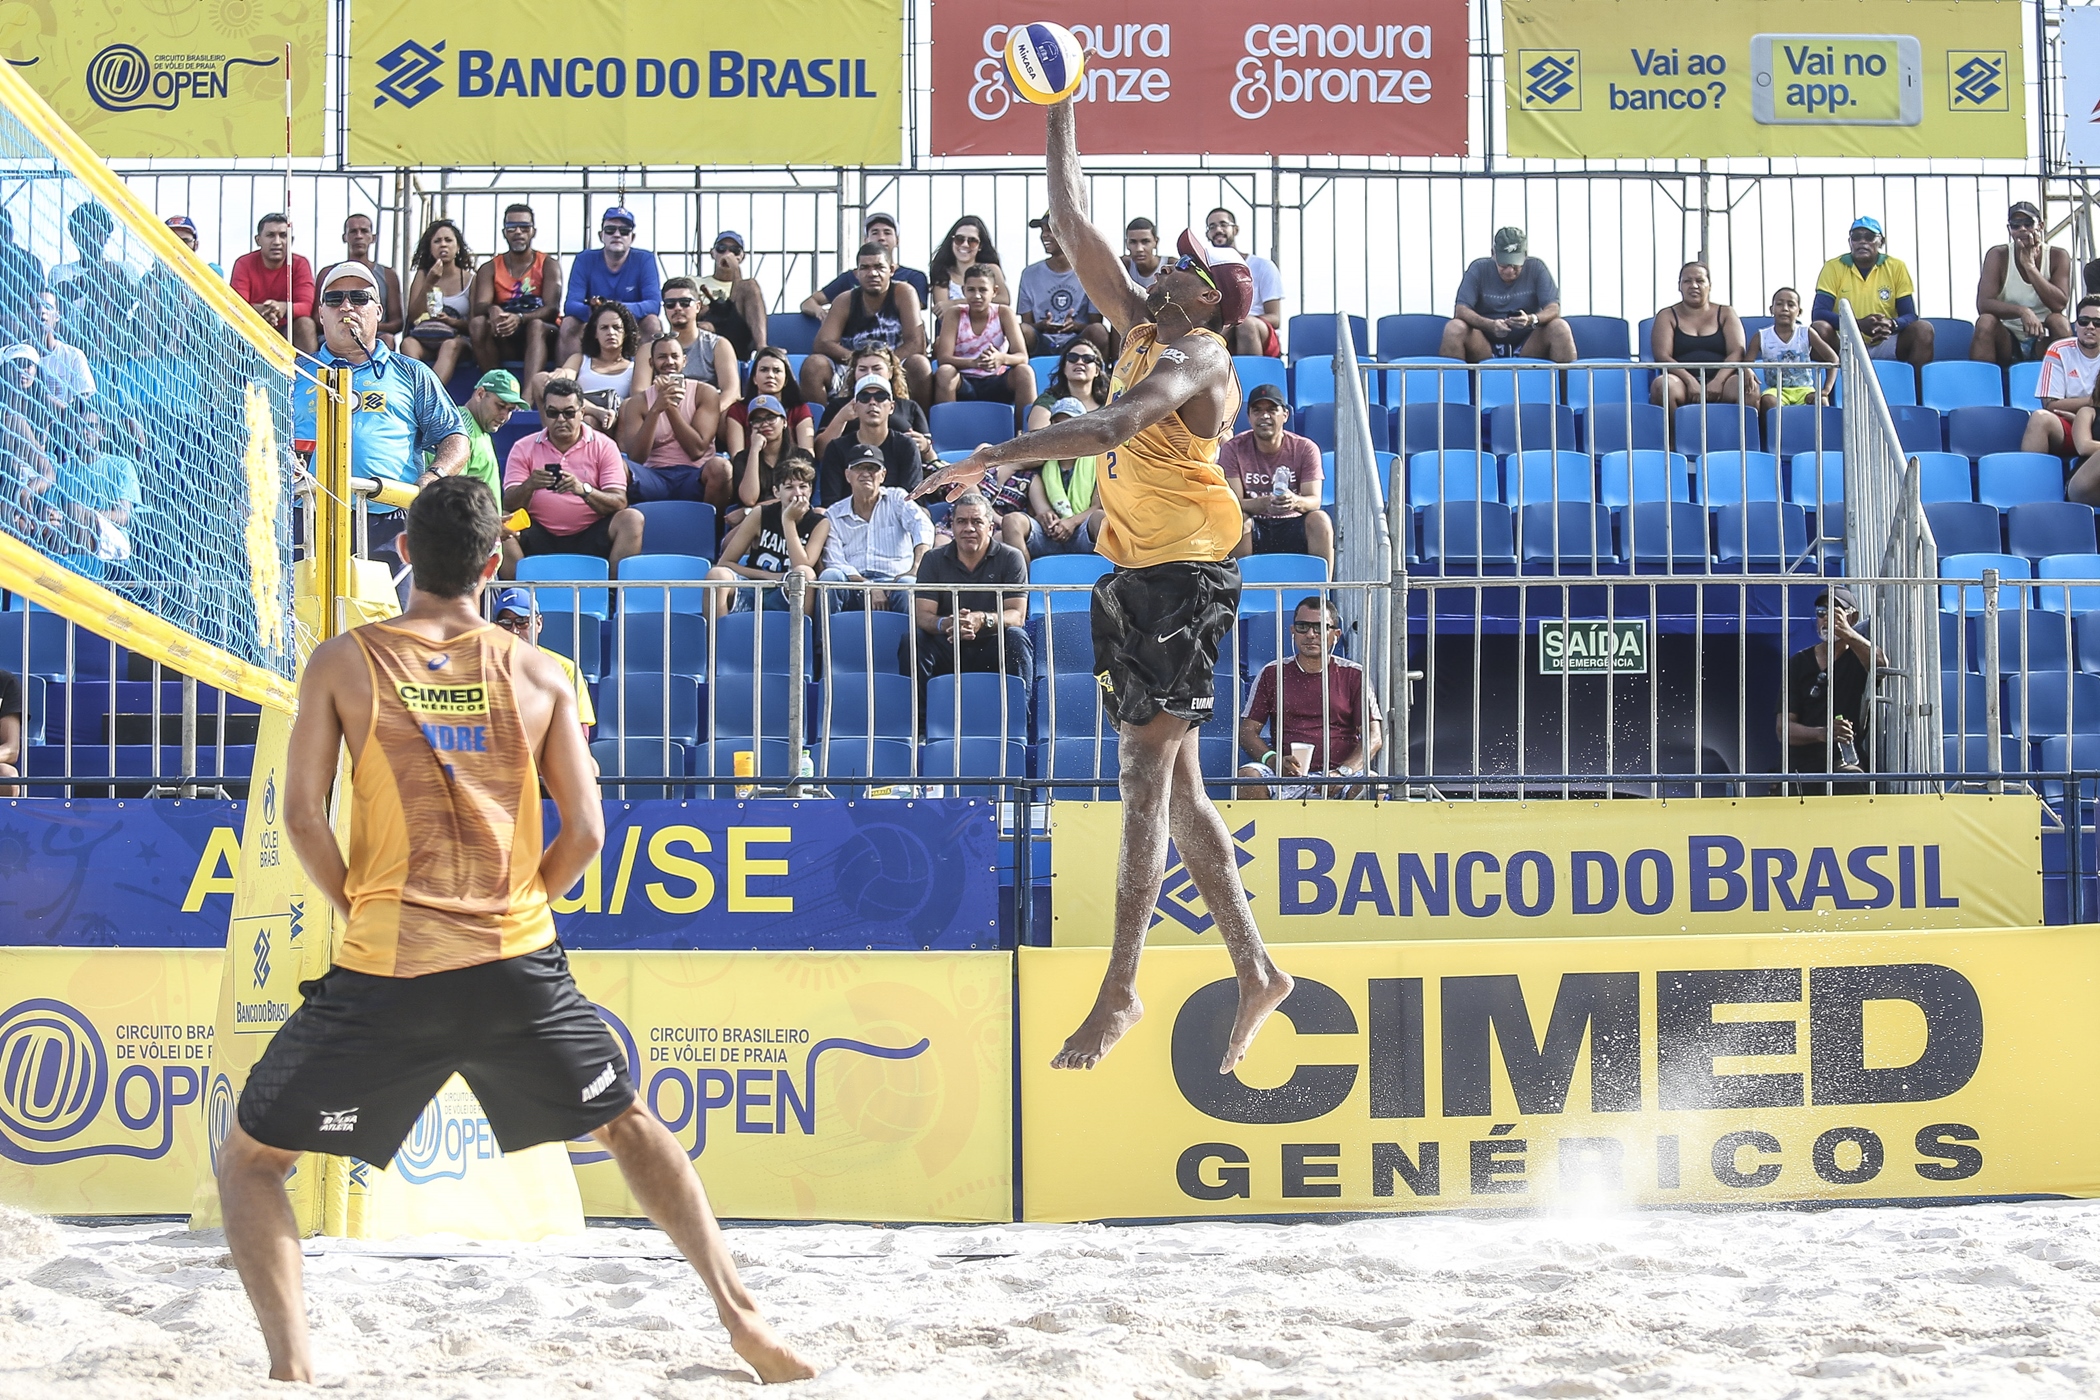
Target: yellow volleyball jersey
[445,838]
[1164,499]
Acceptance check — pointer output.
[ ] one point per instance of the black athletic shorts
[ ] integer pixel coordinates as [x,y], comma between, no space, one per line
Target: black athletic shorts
[353,1067]
[1156,636]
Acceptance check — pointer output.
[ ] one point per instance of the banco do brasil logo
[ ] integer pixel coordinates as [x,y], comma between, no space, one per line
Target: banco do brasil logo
[122,78]
[411,74]
[1550,79]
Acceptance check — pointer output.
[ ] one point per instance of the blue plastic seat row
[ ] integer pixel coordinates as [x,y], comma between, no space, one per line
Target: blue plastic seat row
[1466,536]
[1722,478]
[2081,567]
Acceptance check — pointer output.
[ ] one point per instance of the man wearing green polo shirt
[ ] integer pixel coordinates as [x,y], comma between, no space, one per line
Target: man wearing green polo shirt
[489,407]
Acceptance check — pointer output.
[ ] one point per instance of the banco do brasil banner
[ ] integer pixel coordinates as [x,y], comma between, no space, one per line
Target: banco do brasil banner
[1336,871]
[585,82]
[1329,77]
[1666,78]
[176,79]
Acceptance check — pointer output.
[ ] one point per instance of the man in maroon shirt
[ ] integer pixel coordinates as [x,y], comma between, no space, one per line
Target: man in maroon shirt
[1326,723]
[277,282]
[1259,461]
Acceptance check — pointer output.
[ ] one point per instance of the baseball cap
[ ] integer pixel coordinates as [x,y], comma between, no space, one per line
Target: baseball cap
[1842,597]
[514,600]
[181,221]
[1067,407]
[504,385]
[1228,271]
[764,403]
[1043,222]
[871,381]
[616,215]
[1511,246]
[878,218]
[351,269]
[1272,392]
[1868,222]
[866,455]
[728,235]
[2022,207]
[22,352]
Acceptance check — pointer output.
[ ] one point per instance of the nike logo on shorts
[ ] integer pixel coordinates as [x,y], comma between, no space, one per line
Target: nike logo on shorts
[1166,637]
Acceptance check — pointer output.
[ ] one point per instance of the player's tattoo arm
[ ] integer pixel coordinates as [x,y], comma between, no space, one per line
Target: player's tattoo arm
[309,771]
[1098,262]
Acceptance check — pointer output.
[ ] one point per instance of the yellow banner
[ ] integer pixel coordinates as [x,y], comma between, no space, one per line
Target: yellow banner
[1338,871]
[104,1055]
[1919,78]
[586,82]
[819,1086]
[182,79]
[1635,1071]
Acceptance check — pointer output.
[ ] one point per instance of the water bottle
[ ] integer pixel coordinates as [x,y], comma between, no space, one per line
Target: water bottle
[434,302]
[1280,484]
[1848,756]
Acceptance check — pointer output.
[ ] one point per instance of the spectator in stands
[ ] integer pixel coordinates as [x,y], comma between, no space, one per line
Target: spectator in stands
[756,469]
[1141,252]
[904,460]
[617,273]
[488,408]
[2063,425]
[1063,500]
[359,239]
[570,479]
[185,229]
[1276,474]
[279,283]
[98,293]
[1508,304]
[180,318]
[980,352]
[1311,714]
[710,360]
[878,535]
[770,375]
[517,612]
[668,432]
[21,278]
[968,244]
[974,631]
[906,416]
[28,426]
[1262,332]
[517,295]
[781,537]
[1824,718]
[882,312]
[92,498]
[606,371]
[439,298]
[1790,340]
[1882,297]
[1053,304]
[10,731]
[63,370]
[1700,341]
[2022,294]
[877,228]
[1081,375]
[736,304]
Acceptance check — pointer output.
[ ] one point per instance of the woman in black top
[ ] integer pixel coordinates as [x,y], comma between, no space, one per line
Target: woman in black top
[1823,710]
[1696,331]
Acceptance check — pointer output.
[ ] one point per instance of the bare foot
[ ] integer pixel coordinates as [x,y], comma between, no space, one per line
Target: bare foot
[1257,1000]
[774,1360]
[1106,1024]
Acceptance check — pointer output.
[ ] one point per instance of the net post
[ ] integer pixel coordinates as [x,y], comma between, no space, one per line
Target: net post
[333,503]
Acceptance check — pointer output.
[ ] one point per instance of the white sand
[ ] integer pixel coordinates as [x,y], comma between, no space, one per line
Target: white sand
[1990,1300]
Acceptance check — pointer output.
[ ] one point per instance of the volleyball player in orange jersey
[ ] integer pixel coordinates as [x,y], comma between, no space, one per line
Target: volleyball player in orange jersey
[449,962]
[1170,525]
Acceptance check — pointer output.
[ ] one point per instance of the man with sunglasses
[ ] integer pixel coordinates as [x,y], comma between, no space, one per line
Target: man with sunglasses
[615,271]
[516,296]
[904,459]
[2021,296]
[1883,298]
[2063,425]
[1170,523]
[736,304]
[1319,711]
[572,481]
[709,357]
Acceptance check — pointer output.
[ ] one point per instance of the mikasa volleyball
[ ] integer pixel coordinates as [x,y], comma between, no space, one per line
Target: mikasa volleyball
[1044,62]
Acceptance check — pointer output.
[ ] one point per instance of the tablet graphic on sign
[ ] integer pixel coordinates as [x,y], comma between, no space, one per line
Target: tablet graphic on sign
[1836,80]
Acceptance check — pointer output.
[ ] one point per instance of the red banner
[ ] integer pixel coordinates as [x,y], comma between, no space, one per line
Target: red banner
[1314,77]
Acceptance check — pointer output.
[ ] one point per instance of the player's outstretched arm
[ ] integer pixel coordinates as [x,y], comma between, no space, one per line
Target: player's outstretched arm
[310,765]
[1095,259]
[565,769]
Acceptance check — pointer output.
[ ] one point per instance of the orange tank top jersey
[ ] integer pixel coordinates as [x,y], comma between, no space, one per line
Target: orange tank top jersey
[445,837]
[1164,499]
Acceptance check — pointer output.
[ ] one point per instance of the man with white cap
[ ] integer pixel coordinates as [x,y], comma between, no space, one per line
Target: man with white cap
[904,460]
[1170,523]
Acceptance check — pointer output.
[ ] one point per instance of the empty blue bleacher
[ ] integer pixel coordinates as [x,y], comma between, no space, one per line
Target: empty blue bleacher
[2039,704]
[1565,536]
[1618,428]
[1955,598]
[1468,536]
[645,758]
[970,706]
[1434,427]
[755,642]
[650,706]
[1256,370]
[655,641]
[1657,534]
[1588,385]
[962,427]
[1452,476]
[1627,477]
[1950,337]
[1547,476]
[2008,479]
[2021,381]
[1436,381]
[1961,384]
[1899,381]
[1601,337]
[885,761]
[1729,478]
[1963,527]
[864,640]
[1715,427]
[1918,429]
[1804,487]
[2085,635]
[1962,703]
[1530,427]
[869,704]
[1075,698]
[795,332]
[1980,432]
[2047,636]
[739,704]
[2043,527]
[1081,758]
[943,760]
[1404,336]
[1311,336]
[1316,421]
[679,527]
[1945,476]
[1275,582]
[40,637]
[1792,429]
[538,570]
[2081,566]
[1760,535]
[1516,380]
[677,568]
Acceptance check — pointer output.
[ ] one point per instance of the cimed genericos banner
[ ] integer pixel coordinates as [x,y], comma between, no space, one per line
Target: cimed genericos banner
[1329,77]
[1666,78]
[586,82]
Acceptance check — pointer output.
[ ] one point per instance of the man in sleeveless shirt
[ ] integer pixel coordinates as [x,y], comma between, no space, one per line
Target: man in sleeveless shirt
[1171,522]
[449,962]
[2023,294]
[516,297]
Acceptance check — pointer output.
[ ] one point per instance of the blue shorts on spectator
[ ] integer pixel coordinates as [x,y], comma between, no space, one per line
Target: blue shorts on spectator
[1042,542]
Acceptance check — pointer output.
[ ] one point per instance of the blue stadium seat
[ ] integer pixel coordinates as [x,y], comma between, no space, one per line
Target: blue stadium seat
[1950,337]
[2085,633]
[1530,427]
[1962,704]
[1434,427]
[742,644]
[1075,698]
[739,704]
[1918,428]
[650,706]
[44,636]
[1616,428]
[1468,536]
[2043,703]
[1804,488]
[537,570]
[1955,598]
[1256,370]
[1658,534]
[2008,479]
[2048,638]
[1601,337]
[1452,476]
[1080,758]
[1945,476]
[657,642]
[680,527]
[1407,336]
[1956,653]
[1760,535]
[1629,477]
[1044,366]
[2040,528]
[1899,381]
[1730,478]
[645,758]
[1275,582]
[944,760]
[1068,569]
[580,639]
[2068,753]
[862,640]
[1517,380]
[1064,642]
[968,706]
[796,333]
[1596,385]
[1715,427]
[1316,421]
[1436,381]
[1566,535]
[885,761]
[1956,384]
[961,427]
[1311,335]
[678,568]
[1970,753]
[1644,339]
[1792,429]
[1983,431]
[2080,566]
[1547,477]
[1963,527]
[1312,381]
[2022,380]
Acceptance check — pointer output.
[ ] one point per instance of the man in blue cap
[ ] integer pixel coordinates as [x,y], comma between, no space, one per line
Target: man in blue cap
[518,613]
[615,271]
[1882,297]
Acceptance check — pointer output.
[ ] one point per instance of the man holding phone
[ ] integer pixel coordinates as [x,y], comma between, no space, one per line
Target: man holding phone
[572,481]
[1508,305]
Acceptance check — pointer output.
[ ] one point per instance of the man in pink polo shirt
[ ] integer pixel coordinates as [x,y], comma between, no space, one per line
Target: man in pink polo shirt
[571,480]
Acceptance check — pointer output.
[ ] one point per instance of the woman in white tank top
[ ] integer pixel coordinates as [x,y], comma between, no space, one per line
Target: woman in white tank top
[603,370]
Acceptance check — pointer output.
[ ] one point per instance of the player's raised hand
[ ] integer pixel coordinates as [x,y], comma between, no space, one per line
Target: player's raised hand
[956,478]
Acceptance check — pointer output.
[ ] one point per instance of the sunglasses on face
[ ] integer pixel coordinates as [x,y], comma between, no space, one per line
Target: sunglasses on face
[615,231]
[359,298]
[1195,265]
[728,250]
[1082,360]
[511,622]
[517,228]
[2089,320]
[965,238]
[872,396]
[678,301]
[561,412]
[1310,626]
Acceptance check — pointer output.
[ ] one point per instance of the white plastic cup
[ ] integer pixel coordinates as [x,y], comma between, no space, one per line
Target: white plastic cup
[1303,753]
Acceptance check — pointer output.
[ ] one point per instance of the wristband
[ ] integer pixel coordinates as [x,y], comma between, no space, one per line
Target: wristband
[1268,760]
